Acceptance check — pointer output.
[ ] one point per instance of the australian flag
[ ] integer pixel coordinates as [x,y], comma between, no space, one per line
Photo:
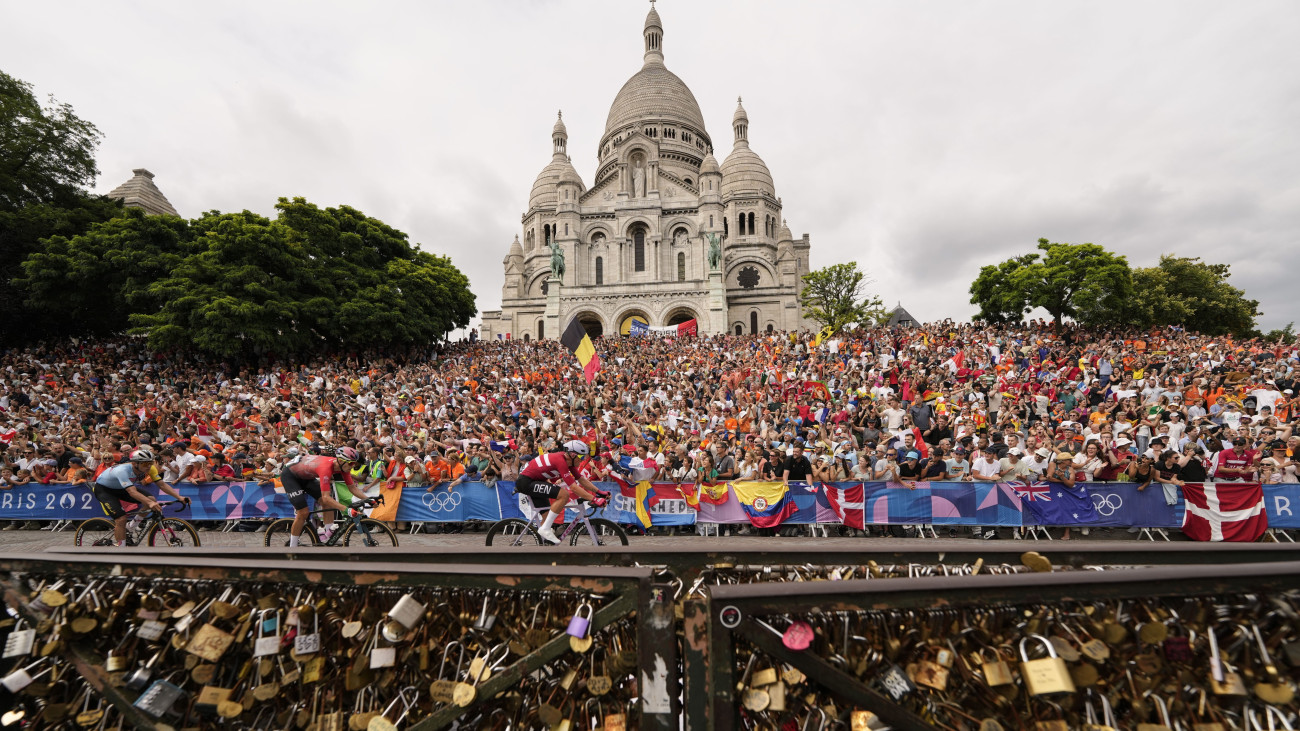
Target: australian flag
[1052,503]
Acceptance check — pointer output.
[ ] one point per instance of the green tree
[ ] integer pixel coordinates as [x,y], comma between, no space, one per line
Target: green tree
[45,151]
[1081,281]
[94,281]
[46,159]
[312,279]
[836,296]
[1189,292]
[1000,291]
[21,233]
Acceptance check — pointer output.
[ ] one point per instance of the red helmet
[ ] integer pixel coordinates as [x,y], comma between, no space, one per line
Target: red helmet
[346,454]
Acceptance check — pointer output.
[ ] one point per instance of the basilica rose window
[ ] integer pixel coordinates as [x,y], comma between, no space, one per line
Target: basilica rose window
[748,277]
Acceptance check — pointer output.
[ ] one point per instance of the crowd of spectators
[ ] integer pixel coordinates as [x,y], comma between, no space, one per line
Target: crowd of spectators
[942,401]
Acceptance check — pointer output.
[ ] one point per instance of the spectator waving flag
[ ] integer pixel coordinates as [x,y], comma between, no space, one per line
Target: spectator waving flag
[1052,503]
[576,340]
[1227,511]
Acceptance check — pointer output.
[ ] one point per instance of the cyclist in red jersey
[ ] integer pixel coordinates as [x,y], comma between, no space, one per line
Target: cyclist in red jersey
[314,475]
[541,479]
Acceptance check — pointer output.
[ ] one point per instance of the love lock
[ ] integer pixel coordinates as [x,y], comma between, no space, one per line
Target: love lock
[579,624]
[485,621]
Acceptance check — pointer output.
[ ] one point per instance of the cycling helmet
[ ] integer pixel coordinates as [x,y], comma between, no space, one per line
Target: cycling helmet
[577,447]
[142,455]
[347,454]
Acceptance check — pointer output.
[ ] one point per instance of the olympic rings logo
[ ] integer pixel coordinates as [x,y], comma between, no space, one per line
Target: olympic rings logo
[1106,505]
[437,501]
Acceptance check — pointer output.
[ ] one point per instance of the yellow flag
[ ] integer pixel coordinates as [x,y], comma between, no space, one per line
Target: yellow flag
[642,492]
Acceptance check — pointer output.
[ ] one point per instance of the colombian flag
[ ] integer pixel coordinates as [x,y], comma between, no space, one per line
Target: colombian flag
[576,340]
[767,504]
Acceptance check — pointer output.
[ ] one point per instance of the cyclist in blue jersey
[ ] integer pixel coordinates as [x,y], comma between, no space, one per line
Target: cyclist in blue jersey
[125,483]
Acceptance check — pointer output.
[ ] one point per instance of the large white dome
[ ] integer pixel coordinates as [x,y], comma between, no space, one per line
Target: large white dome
[654,93]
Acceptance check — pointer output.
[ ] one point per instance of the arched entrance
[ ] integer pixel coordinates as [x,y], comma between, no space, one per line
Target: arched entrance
[626,319]
[592,323]
[680,315]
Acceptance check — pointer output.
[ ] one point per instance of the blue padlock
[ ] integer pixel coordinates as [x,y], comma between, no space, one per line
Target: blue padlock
[579,625]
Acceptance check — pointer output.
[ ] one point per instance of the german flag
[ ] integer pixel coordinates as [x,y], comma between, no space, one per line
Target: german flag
[576,340]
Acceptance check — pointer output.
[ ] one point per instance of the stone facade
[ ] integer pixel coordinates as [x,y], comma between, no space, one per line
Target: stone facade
[636,243]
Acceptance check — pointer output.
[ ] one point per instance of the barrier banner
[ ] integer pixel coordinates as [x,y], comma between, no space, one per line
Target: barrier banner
[1117,504]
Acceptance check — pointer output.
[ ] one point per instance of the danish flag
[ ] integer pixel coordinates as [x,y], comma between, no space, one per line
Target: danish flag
[1032,491]
[847,503]
[1224,511]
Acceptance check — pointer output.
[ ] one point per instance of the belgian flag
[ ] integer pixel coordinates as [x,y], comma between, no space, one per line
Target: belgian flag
[576,340]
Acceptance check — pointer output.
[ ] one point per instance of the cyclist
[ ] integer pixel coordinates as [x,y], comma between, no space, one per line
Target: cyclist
[124,483]
[538,479]
[313,474]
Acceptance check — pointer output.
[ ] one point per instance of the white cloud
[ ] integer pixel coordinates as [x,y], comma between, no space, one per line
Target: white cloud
[922,140]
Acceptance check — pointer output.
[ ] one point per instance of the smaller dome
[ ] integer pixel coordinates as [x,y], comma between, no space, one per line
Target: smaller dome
[515,248]
[709,166]
[543,193]
[570,175]
[559,128]
[783,234]
[744,170]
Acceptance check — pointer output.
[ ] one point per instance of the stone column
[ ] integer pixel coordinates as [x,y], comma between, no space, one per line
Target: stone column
[552,320]
[717,303]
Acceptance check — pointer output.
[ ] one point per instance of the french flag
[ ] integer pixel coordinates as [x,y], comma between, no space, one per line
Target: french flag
[847,503]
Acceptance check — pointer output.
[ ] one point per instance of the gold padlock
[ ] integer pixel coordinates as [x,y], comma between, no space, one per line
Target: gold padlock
[996,671]
[1044,676]
[931,673]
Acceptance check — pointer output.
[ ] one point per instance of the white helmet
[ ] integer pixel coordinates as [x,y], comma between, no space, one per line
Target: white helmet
[577,447]
[142,455]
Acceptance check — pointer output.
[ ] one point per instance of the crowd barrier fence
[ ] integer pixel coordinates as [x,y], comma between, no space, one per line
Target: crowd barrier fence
[1116,504]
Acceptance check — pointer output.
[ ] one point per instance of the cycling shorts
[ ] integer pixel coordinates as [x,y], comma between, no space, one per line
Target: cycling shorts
[111,500]
[540,491]
[299,489]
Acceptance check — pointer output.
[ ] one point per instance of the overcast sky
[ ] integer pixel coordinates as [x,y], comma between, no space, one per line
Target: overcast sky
[920,139]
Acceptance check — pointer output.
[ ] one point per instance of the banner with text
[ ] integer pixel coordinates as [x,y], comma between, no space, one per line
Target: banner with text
[1117,504]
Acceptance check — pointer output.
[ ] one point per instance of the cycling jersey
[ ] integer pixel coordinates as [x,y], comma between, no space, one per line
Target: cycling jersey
[122,476]
[317,467]
[549,467]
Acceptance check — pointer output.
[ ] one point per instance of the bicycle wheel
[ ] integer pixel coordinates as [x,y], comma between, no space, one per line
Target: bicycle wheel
[379,534]
[174,533]
[513,533]
[608,533]
[95,532]
[278,532]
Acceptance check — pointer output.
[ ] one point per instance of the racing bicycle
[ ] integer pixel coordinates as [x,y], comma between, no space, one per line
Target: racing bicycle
[584,531]
[365,531]
[152,529]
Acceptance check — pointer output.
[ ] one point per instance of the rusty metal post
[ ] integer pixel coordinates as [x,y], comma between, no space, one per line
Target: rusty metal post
[720,688]
[695,664]
[656,643]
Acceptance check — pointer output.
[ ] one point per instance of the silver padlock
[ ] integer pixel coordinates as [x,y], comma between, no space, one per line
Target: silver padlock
[267,644]
[485,621]
[407,612]
[19,642]
[159,698]
[308,643]
[151,630]
[22,677]
[381,657]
